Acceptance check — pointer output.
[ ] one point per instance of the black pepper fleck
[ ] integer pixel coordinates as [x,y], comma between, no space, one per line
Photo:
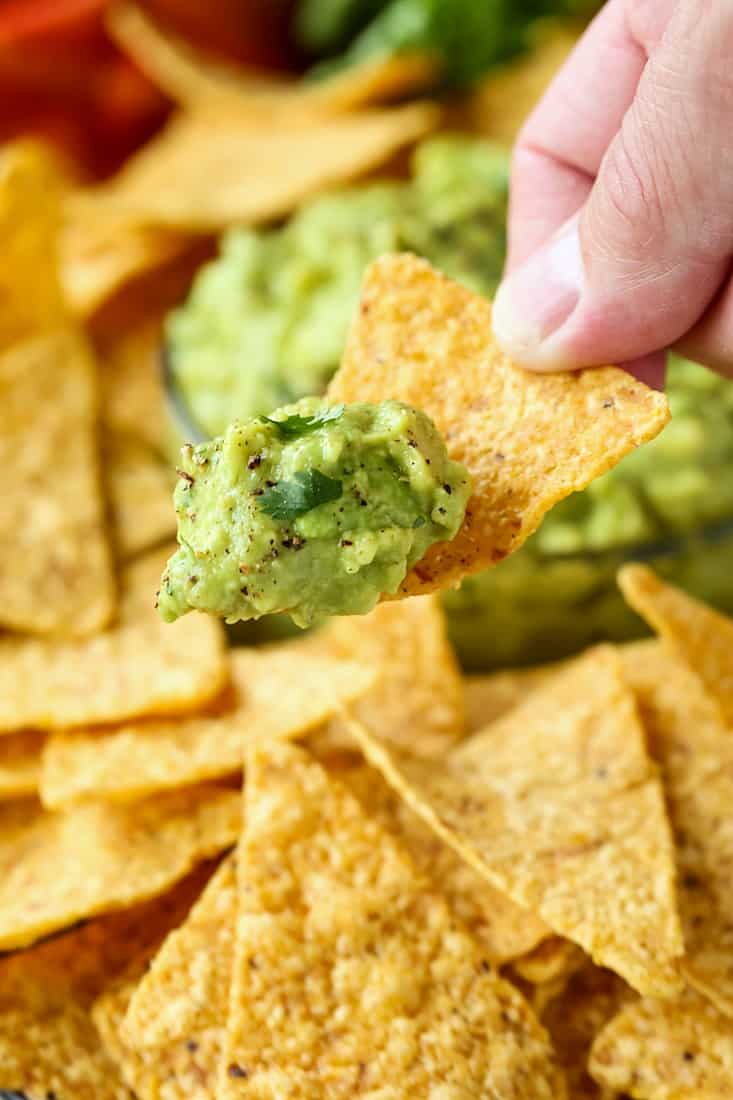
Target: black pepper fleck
[237,1071]
[254,462]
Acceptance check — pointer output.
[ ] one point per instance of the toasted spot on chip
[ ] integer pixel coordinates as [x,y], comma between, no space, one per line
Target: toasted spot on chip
[656,1050]
[140,488]
[558,805]
[694,749]
[20,763]
[528,440]
[139,665]
[703,637]
[188,77]
[48,1043]
[349,969]
[277,691]
[209,169]
[59,868]
[506,930]
[57,569]
[184,994]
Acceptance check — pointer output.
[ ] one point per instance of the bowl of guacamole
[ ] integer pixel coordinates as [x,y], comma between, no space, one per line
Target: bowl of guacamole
[265,323]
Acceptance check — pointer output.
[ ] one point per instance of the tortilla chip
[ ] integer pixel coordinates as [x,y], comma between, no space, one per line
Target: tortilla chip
[56,869]
[141,494]
[559,806]
[702,637]
[277,692]
[138,666]
[489,697]
[349,971]
[695,752]
[30,192]
[208,170]
[98,258]
[20,763]
[553,959]
[133,400]
[527,439]
[591,998]
[666,1051]
[190,78]
[505,930]
[48,1044]
[417,700]
[57,571]
[184,994]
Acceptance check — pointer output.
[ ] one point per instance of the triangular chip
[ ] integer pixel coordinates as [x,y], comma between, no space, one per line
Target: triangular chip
[140,494]
[277,691]
[208,169]
[417,699]
[349,971]
[56,869]
[20,763]
[702,637]
[528,440]
[489,697]
[138,666]
[559,806]
[676,1050]
[189,77]
[695,752]
[184,994]
[48,1043]
[57,569]
[133,399]
[505,930]
[552,962]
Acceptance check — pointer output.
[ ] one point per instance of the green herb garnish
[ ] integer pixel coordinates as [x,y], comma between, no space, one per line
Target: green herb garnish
[300,425]
[290,499]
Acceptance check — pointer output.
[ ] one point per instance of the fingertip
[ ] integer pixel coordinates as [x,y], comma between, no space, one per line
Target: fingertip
[649,369]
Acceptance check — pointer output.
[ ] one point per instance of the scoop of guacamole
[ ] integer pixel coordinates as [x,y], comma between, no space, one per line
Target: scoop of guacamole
[265,323]
[316,510]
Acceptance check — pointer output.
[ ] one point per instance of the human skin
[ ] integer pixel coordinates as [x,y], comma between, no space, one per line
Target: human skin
[621,211]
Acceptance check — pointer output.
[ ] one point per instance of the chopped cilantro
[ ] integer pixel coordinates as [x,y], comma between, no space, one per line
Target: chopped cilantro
[296,425]
[290,499]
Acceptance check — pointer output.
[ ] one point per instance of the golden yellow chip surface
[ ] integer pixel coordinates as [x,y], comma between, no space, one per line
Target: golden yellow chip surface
[140,489]
[20,763]
[528,440]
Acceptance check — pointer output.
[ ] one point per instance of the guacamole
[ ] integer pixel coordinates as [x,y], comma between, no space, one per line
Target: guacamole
[265,323]
[316,510]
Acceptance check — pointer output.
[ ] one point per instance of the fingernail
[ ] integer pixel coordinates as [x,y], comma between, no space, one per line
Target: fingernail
[536,300]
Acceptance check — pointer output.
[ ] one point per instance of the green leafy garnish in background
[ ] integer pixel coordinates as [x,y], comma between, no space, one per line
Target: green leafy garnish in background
[295,425]
[290,499]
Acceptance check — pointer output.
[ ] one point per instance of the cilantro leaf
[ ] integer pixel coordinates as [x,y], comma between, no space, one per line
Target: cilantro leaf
[296,425]
[290,499]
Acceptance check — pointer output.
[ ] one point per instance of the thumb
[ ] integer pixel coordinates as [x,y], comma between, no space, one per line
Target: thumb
[637,266]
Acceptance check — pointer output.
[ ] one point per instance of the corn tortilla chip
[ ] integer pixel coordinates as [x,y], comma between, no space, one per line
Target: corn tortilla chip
[349,971]
[491,696]
[528,440]
[559,806]
[695,752]
[505,930]
[276,692]
[140,489]
[57,571]
[553,960]
[56,869]
[673,1050]
[189,78]
[207,170]
[591,998]
[133,400]
[138,666]
[703,637]
[184,995]
[30,194]
[48,1044]
[418,699]
[20,763]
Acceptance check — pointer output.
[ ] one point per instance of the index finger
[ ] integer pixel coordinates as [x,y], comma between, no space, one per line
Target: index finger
[561,145]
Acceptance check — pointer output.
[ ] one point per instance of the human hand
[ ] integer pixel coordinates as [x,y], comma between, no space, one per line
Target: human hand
[621,211]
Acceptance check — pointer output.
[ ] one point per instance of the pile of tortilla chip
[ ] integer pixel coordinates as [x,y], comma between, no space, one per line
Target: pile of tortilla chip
[509,886]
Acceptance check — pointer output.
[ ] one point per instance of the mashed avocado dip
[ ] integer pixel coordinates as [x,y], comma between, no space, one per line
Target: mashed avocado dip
[317,510]
[265,323]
